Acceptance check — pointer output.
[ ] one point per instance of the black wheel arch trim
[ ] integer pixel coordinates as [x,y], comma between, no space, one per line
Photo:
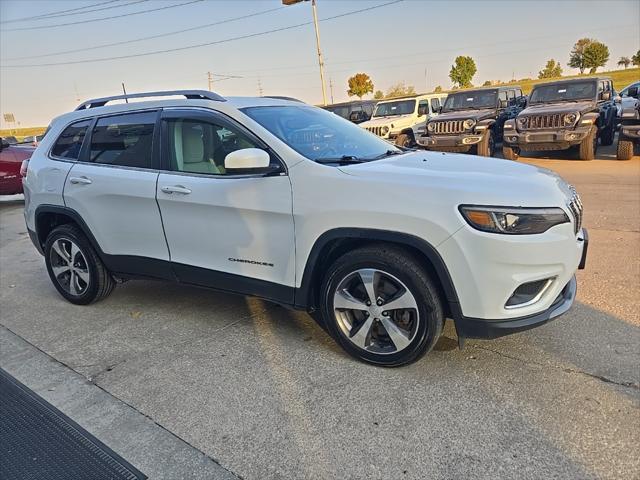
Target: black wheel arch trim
[304,294]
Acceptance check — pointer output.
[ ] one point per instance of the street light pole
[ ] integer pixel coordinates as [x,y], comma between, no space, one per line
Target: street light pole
[320,61]
[315,24]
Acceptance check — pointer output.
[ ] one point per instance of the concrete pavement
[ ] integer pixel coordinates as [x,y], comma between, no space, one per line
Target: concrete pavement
[267,394]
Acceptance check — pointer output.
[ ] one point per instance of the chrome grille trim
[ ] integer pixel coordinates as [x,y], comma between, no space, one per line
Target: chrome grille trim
[539,122]
[376,130]
[448,127]
[575,205]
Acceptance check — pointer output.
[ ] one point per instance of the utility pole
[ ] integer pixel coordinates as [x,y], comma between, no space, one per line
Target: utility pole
[331,88]
[315,24]
[260,92]
[210,81]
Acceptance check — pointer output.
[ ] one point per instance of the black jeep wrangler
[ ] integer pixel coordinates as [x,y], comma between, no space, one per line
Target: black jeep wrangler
[473,120]
[564,114]
[630,128]
[357,111]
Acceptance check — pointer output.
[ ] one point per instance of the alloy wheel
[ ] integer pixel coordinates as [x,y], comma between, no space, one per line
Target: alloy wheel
[69,266]
[376,311]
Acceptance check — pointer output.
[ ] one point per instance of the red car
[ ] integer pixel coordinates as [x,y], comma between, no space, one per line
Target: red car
[11,167]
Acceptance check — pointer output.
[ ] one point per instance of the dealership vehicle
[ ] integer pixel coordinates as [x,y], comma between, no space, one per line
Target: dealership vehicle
[10,140]
[291,203]
[564,114]
[630,123]
[624,100]
[356,112]
[402,120]
[473,120]
[12,160]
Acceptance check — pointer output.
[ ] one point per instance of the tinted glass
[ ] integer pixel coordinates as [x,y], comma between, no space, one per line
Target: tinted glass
[69,142]
[401,107]
[201,147]
[317,134]
[124,140]
[471,100]
[563,91]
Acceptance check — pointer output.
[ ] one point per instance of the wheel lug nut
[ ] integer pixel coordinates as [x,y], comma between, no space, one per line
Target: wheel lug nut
[385,314]
[379,302]
[368,303]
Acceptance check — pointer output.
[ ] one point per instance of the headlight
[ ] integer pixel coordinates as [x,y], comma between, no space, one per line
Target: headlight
[469,123]
[431,126]
[521,121]
[385,130]
[513,220]
[570,119]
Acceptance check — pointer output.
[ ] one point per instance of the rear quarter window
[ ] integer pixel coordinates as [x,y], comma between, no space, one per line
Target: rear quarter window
[69,142]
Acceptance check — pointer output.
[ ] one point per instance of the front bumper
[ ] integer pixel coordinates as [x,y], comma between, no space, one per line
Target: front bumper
[462,142]
[546,139]
[632,132]
[488,329]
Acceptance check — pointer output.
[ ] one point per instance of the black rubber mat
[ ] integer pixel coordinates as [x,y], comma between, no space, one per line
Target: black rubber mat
[38,441]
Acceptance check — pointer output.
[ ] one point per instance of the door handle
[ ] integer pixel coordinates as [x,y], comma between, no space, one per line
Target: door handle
[176,189]
[80,180]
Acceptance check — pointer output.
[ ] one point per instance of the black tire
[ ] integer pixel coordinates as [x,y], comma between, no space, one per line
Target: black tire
[510,153]
[404,267]
[487,146]
[100,282]
[588,147]
[405,140]
[608,134]
[624,150]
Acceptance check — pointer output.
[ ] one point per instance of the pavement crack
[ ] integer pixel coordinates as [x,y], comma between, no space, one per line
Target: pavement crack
[523,361]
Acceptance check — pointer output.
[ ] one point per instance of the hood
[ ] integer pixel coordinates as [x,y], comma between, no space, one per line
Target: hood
[472,179]
[464,114]
[559,107]
[380,121]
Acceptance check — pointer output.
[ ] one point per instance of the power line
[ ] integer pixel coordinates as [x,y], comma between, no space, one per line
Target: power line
[160,35]
[198,45]
[32,17]
[47,17]
[103,18]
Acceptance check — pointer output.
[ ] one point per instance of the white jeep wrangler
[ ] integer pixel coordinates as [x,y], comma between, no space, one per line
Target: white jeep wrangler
[278,199]
[402,120]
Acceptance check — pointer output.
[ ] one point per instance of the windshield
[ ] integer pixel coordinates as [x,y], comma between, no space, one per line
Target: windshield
[563,92]
[401,107]
[471,100]
[318,134]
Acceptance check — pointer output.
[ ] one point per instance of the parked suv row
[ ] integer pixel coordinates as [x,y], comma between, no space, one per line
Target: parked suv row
[473,120]
[293,204]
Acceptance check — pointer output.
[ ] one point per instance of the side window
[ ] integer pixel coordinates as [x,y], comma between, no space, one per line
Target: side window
[503,97]
[124,140]
[435,104]
[512,94]
[423,107]
[196,146]
[368,108]
[70,140]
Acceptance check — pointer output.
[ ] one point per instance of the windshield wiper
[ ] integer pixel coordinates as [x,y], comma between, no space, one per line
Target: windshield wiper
[388,153]
[344,159]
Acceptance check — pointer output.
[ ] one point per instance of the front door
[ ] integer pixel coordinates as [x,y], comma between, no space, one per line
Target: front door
[228,230]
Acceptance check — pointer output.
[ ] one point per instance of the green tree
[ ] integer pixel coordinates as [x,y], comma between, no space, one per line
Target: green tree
[438,89]
[551,70]
[596,54]
[359,85]
[463,71]
[624,62]
[636,59]
[576,57]
[379,95]
[488,83]
[400,90]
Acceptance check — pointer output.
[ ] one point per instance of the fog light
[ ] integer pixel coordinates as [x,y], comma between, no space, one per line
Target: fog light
[514,139]
[573,136]
[528,293]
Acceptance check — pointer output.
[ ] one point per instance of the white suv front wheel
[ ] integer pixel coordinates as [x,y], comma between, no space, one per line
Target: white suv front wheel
[381,306]
[74,267]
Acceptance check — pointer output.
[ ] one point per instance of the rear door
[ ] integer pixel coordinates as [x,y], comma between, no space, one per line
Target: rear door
[226,230]
[113,188]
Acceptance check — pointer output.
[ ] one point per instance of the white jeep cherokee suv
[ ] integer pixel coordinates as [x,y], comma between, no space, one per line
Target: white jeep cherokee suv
[278,199]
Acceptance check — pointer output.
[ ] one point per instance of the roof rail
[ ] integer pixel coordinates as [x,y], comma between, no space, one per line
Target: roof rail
[282,97]
[190,94]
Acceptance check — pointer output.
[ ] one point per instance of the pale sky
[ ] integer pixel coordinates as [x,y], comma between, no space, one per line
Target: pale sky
[414,41]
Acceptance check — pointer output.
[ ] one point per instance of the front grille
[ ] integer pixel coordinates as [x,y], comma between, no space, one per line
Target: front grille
[448,127]
[575,205]
[539,122]
[376,130]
